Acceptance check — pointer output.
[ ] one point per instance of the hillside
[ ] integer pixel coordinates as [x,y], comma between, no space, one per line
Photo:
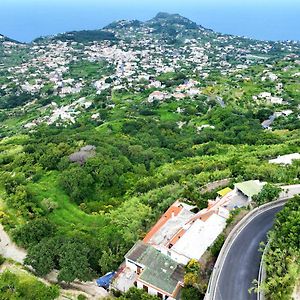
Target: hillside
[101,131]
[4,38]
[83,36]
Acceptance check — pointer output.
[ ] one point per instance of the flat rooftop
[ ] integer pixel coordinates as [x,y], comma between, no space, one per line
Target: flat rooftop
[168,225]
[161,271]
[250,188]
[195,241]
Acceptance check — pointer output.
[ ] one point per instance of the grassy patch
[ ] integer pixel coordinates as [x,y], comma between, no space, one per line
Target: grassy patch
[89,70]
[68,217]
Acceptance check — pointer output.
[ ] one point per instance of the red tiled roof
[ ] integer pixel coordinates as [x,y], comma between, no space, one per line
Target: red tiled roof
[173,210]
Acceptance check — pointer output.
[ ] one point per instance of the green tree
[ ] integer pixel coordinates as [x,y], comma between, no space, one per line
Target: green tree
[70,256]
[33,232]
[77,183]
[217,245]
[12,182]
[43,257]
[191,293]
[130,218]
[73,262]
[190,192]
[268,193]
[108,261]
[51,157]
[283,254]
[24,202]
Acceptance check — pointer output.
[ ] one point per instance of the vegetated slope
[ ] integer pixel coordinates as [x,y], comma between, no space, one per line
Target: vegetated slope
[18,284]
[83,36]
[169,106]
[283,253]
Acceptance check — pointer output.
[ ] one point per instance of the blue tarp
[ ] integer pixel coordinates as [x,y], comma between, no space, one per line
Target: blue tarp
[105,280]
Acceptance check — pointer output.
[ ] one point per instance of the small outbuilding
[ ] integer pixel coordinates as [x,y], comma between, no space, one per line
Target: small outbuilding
[224,192]
[249,188]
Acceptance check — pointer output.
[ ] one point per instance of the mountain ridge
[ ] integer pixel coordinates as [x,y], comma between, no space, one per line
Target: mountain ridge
[162,22]
[4,38]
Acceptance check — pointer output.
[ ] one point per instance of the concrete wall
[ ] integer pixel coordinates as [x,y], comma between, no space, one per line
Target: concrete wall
[179,258]
[132,265]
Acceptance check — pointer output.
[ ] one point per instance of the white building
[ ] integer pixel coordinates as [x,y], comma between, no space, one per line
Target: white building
[157,95]
[197,238]
[184,235]
[285,159]
[150,270]
[156,264]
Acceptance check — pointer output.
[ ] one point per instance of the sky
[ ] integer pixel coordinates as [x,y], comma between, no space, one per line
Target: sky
[25,20]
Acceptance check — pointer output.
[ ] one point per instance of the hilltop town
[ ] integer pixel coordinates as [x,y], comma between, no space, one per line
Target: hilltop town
[134,57]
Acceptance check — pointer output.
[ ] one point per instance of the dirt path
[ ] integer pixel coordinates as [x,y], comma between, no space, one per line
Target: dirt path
[90,288]
[8,249]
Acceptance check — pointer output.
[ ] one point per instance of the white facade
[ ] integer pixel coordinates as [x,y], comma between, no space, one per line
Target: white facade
[131,265]
[153,291]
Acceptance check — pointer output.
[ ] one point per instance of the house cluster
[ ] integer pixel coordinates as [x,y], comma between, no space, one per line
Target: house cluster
[187,89]
[269,76]
[47,64]
[267,124]
[266,96]
[61,115]
[156,263]
[145,55]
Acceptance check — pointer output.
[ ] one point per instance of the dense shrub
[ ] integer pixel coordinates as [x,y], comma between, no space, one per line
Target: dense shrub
[217,245]
[283,254]
[33,232]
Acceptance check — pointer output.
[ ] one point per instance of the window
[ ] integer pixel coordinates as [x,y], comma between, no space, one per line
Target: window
[159,295]
[135,284]
[145,288]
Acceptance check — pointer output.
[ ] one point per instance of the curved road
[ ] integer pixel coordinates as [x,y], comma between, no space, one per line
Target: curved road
[242,262]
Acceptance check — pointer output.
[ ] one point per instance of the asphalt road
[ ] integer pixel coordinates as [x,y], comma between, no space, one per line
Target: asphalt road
[242,262]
